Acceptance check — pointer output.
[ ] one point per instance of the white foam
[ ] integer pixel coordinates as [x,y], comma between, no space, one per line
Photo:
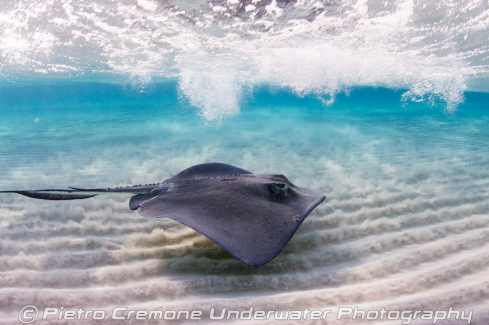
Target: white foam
[215,93]
[434,50]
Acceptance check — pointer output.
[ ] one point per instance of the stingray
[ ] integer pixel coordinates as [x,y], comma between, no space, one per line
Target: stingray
[251,216]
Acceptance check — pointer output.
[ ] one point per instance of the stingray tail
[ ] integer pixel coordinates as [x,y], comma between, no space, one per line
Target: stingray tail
[53,194]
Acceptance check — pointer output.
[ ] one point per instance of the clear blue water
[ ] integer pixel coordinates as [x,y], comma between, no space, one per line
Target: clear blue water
[45,121]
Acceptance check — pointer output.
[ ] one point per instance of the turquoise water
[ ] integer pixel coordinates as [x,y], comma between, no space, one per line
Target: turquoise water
[45,121]
[381,106]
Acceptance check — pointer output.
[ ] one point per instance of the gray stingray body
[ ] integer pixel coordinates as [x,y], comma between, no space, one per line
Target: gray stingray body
[252,216]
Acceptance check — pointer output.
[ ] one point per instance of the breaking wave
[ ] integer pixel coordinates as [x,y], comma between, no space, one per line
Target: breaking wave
[434,50]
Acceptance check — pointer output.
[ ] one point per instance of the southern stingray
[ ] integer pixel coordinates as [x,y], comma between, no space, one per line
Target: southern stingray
[252,216]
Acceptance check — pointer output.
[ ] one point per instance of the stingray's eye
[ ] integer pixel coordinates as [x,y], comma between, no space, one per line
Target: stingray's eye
[281,185]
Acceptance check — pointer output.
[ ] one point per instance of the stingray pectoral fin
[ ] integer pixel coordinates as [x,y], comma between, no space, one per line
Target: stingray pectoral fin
[251,227]
[53,194]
